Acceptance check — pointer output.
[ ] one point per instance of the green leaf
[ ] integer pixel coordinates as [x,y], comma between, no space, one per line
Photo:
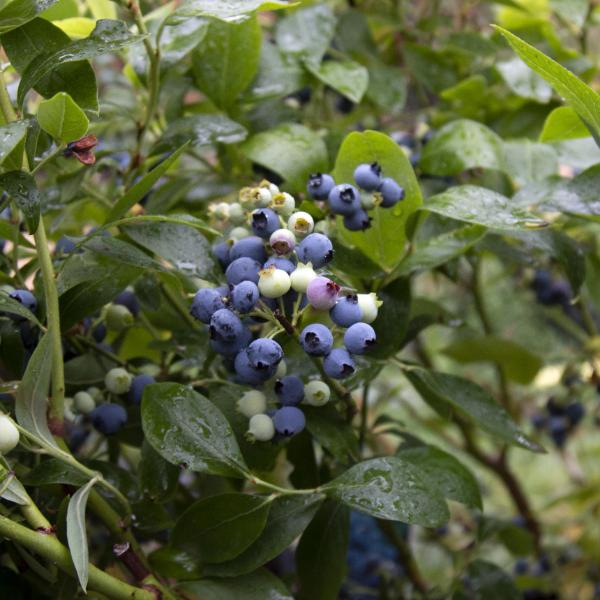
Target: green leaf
[523,81]
[290,150]
[347,77]
[518,363]
[333,433]
[36,40]
[17,13]
[436,251]
[563,124]
[482,206]
[228,10]
[62,118]
[14,307]
[187,429]
[321,553]
[11,135]
[485,581]
[261,585]
[221,527]
[183,246]
[136,192]
[446,393]
[31,402]
[158,478]
[179,39]
[576,93]
[307,32]
[11,489]
[288,517]
[444,472]
[226,60]
[76,533]
[53,471]
[528,161]
[390,488]
[108,36]
[434,69]
[21,187]
[462,145]
[387,87]
[384,240]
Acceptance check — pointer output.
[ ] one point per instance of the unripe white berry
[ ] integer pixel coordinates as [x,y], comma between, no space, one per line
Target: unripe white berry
[273,189]
[283,241]
[301,223]
[9,434]
[118,317]
[238,233]
[252,403]
[261,428]
[283,204]
[369,305]
[95,393]
[118,381]
[84,403]
[219,210]
[281,370]
[367,201]
[237,216]
[316,393]
[273,282]
[324,227]
[302,275]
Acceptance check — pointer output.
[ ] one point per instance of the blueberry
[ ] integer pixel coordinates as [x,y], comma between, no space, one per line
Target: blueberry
[118,381]
[558,429]
[554,408]
[264,222]
[264,353]
[221,251]
[248,374]
[359,338]
[538,421]
[64,246]
[404,138]
[322,293]
[261,428]
[289,421]
[99,332]
[225,326]
[319,185]
[339,364]
[358,221]
[391,192]
[289,390]
[285,264]
[521,567]
[315,248]
[118,317]
[108,418]
[242,269]
[207,301]
[316,339]
[128,299]
[344,199]
[244,296]
[250,247]
[575,412]
[230,349]
[9,434]
[138,384]
[26,298]
[83,402]
[368,177]
[346,311]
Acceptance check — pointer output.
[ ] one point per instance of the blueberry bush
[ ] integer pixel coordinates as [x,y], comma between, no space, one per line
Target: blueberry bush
[299,299]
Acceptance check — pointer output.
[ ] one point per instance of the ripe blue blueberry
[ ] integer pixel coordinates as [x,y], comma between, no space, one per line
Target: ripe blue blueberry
[289,421]
[575,412]
[316,339]
[108,418]
[264,222]
[251,247]
[368,177]
[221,252]
[128,299]
[242,269]
[319,185]
[315,248]
[206,302]
[339,364]
[248,374]
[359,338]
[289,390]
[559,430]
[344,199]
[285,264]
[357,221]
[230,349]
[225,326]
[391,192]
[244,296]
[138,384]
[26,298]
[64,246]
[264,353]
[346,311]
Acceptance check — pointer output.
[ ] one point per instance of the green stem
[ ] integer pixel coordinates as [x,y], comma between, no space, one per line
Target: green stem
[50,548]
[5,104]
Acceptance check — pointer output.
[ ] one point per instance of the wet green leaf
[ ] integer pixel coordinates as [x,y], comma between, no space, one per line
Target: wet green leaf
[21,187]
[228,10]
[17,13]
[347,77]
[563,124]
[62,118]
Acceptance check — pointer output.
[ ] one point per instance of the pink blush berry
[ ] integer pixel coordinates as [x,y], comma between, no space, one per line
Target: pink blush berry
[322,293]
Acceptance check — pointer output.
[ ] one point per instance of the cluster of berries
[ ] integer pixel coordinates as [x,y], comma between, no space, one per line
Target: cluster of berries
[347,201]
[271,279]
[559,420]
